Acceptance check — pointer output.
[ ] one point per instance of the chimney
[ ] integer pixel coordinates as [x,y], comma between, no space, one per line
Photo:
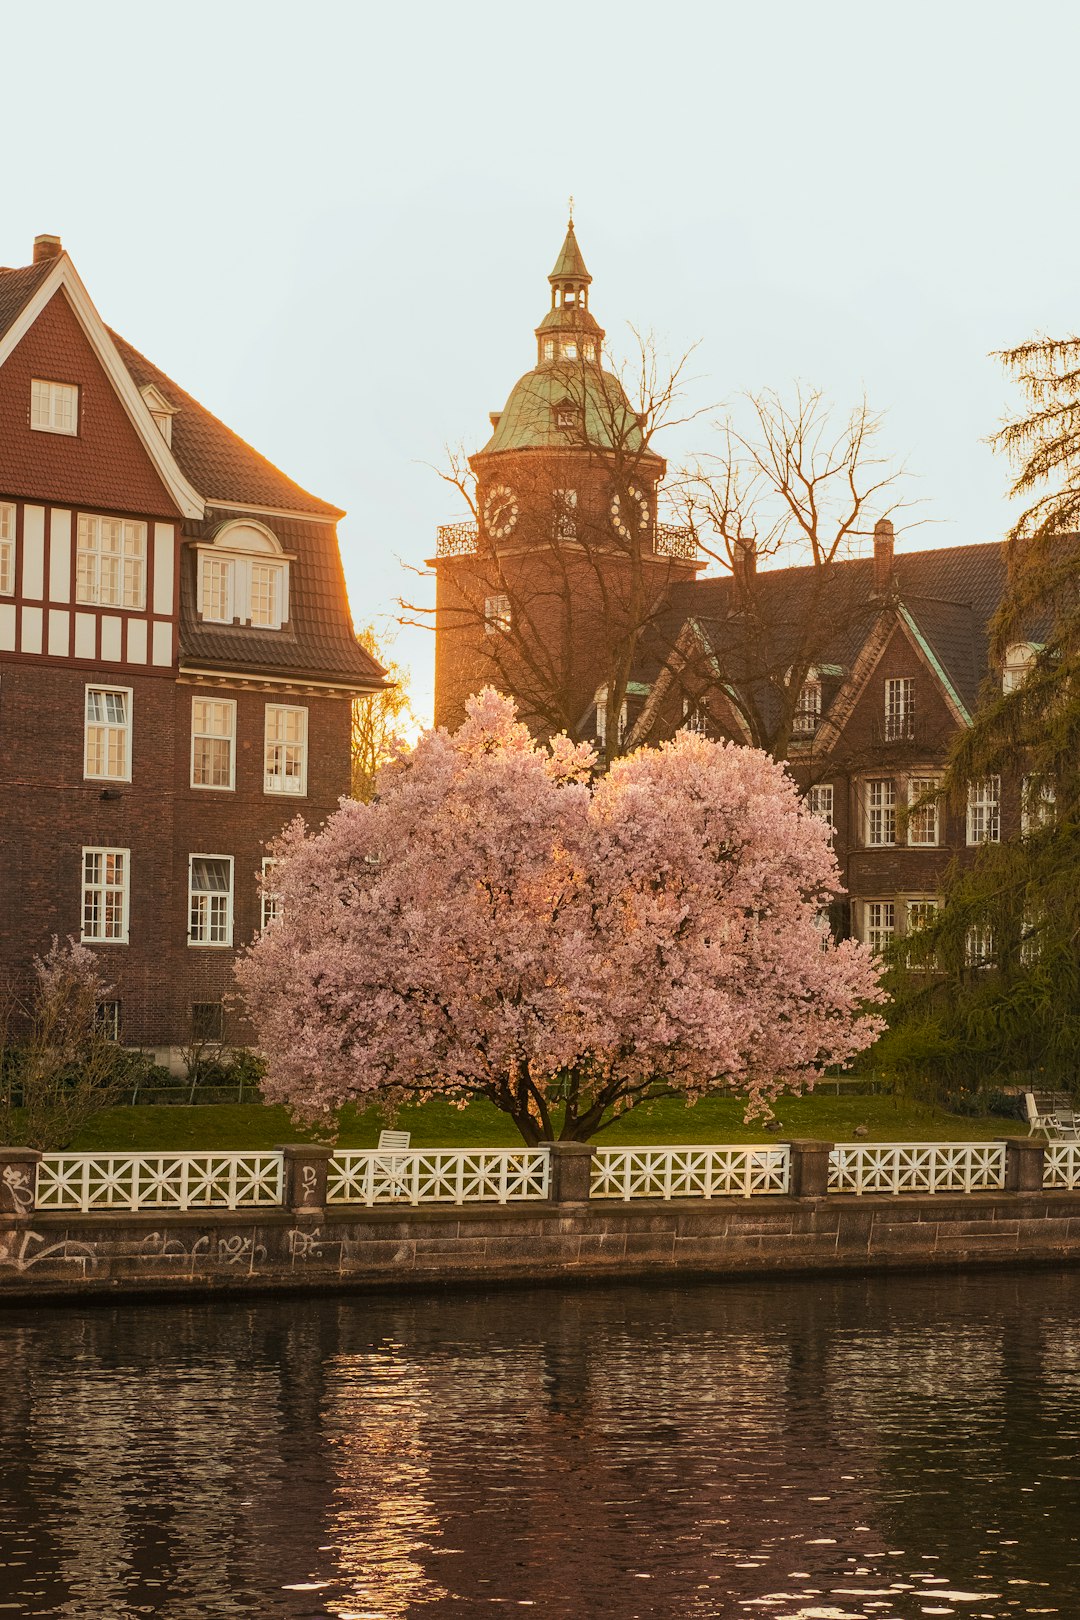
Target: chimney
[47,247]
[883,555]
[743,561]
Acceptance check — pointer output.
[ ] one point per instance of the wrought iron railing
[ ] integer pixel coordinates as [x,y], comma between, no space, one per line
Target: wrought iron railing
[918,1167]
[457,539]
[675,540]
[1061,1165]
[86,1181]
[428,1176]
[689,1172]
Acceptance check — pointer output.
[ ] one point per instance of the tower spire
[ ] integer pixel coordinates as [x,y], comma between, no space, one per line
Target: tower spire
[568,331]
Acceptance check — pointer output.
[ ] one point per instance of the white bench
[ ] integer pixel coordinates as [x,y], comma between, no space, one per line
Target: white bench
[1052,1116]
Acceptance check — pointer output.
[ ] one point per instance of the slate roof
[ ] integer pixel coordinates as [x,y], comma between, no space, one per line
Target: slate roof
[950,594]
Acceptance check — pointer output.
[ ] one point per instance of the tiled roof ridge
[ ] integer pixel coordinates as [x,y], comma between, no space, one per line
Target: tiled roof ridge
[180,397]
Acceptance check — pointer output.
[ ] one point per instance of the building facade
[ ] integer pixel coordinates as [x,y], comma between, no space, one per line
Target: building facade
[567,558]
[177,665]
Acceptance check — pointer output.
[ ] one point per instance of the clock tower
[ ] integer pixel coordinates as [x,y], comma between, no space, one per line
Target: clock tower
[547,593]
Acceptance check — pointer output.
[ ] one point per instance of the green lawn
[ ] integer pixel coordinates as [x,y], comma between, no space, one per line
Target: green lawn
[252,1125]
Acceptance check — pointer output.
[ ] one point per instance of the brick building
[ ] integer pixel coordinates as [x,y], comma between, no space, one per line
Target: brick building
[177,664]
[900,641]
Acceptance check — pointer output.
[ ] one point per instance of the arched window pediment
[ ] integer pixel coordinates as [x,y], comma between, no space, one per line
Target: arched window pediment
[243,576]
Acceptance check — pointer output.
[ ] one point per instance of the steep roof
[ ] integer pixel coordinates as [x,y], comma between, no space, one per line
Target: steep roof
[949,595]
[570,266]
[218,461]
[17,287]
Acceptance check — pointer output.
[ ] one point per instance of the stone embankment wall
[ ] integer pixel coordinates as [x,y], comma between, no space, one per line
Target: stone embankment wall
[306,1244]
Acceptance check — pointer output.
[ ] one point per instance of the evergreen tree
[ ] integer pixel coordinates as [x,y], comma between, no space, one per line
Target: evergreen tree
[1005,998]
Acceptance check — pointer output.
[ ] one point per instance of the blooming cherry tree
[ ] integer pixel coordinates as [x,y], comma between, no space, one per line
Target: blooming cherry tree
[497,924]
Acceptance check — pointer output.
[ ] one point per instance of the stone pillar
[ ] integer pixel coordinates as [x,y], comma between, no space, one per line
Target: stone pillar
[809,1168]
[18,1180]
[571,1172]
[306,1164]
[1024,1159]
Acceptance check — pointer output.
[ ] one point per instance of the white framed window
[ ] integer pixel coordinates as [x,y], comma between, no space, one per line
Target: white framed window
[7,549]
[984,811]
[602,719]
[808,709]
[1037,805]
[285,749]
[879,918]
[979,946]
[213,742]
[243,578]
[565,501]
[819,801]
[881,812]
[922,822]
[107,734]
[497,616]
[110,564]
[1020,658]
[921,914]
[210,900]
[549,348]
[695,717]
[105,874]
[269,902]
[54,407]
[899,709]
[1031,928]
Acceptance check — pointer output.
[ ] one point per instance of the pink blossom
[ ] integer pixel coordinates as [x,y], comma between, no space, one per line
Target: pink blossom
[498,924]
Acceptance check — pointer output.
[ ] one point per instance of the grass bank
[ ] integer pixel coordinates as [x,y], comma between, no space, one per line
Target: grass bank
[225,1126]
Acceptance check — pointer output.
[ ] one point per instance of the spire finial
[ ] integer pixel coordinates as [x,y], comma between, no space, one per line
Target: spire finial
[571,226]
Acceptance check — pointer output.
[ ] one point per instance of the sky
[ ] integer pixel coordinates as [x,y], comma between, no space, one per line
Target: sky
[333,223]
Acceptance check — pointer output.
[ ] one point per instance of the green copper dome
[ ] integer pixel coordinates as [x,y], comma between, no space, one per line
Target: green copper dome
[554,393]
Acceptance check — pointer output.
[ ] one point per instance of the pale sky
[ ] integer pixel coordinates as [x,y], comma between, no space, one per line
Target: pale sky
[333,223]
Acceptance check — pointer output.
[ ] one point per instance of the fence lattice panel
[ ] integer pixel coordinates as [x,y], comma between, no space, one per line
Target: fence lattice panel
[478,1176]
[689,1172]
[918,1167]
[1061,1166]
[86,1181]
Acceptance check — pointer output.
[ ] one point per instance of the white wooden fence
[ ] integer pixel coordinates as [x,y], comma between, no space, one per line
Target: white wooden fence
[429,1176]
[1061,1166]
[86,1181]
[689,1172]
[918,1167]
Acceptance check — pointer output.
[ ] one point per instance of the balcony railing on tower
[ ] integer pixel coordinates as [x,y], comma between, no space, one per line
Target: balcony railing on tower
[463,540]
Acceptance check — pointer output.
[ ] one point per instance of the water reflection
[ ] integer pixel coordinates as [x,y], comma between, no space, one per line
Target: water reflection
[851,1450]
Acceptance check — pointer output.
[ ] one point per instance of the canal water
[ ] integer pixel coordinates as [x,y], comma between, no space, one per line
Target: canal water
[796,1450]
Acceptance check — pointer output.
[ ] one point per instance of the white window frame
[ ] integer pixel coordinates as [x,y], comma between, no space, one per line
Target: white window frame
[269,901]
[899,708]
[100,888]
[211,944]
[1020,659]
[695,716]
[931,824]
[979,946]
[807,716]
[229,704]
[7,548]
[879,924]
[54,407]
[821,802]
[128,590]
[498,615]
[240,564]
[275,781]
[984,811]
[108,727]
[883,806]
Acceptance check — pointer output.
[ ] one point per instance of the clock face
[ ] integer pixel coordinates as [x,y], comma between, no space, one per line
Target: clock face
[630,515]
[500,511]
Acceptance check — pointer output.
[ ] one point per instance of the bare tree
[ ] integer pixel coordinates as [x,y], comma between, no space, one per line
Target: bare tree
[796,485]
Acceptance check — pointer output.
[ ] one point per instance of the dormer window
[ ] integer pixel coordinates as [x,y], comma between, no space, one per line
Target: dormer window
[566,415]
[160,410]
[244,578]
[808,710]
